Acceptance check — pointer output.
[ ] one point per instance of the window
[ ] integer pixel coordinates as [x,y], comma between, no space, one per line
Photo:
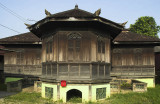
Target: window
[49,47]
[138,56]
[49,50]
[74,42]
[139,86]
[74,46]
[48,92]
[100,93]
[101,46]
[20,57]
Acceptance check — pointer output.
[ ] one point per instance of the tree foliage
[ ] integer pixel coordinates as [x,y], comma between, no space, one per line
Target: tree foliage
[146,26]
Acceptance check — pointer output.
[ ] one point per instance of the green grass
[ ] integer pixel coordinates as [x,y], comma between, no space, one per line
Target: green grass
[152,96]
[28,98]
[11,79]
[75,100]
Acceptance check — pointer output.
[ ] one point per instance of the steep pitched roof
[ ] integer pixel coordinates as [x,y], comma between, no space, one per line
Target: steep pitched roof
[127,36]
[77,13]
[21,38]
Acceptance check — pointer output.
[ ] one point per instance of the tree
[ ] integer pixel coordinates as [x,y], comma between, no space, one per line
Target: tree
[146,26]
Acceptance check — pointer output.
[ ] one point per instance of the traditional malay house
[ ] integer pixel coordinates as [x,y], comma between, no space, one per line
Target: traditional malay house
[24,58]
[76,54]
[81,53]
[133,57]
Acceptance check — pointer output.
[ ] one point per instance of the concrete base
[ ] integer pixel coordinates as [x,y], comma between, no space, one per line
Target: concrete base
[37,86]
[88,91]
[150,81]
[15,86]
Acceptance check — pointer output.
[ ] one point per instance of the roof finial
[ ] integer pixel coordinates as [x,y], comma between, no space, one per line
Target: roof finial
[47,13]
[76,6]
[123,24]
[27,25]
[98,12]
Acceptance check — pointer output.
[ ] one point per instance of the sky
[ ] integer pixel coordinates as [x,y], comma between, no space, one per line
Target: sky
[29,11]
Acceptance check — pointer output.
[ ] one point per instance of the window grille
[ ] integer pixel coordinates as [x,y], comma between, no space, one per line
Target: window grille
[139,86]
[48,92]
[100,93]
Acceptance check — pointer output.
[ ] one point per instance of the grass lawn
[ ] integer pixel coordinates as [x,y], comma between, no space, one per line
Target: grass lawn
[27,98]
[10,79]
[152,96]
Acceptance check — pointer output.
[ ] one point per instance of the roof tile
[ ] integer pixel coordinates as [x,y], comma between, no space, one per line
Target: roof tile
[127,36]
[25,37]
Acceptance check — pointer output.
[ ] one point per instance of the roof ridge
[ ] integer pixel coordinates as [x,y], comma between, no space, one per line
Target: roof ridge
[24,37]
[72,10]
[14,35]
[128,36]
[144,35]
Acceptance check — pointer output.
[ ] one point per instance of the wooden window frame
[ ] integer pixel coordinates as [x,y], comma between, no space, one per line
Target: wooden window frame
[101,46]
[74,43]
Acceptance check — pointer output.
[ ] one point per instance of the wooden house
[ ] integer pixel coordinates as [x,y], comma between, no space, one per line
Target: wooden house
[133,57]
[76,54]
[81,52]
[24,58]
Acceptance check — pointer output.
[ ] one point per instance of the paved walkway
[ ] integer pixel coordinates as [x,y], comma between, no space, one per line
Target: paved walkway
[4,94]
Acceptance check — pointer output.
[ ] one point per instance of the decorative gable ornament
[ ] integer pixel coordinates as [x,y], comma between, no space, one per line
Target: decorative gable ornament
[47,13]
[98,12]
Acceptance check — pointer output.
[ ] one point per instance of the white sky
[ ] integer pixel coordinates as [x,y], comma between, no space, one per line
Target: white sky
[115,10]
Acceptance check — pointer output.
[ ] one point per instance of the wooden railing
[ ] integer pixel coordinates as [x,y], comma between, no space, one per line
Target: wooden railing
[133,71]
[34,70]
[75,71]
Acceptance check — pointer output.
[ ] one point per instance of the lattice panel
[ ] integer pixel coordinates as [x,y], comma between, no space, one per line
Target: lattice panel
[100,93]
[48,92]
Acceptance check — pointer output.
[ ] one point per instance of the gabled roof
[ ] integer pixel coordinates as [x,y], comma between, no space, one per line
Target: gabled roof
[74,18]
[77,13]
[127,36]
[21,38]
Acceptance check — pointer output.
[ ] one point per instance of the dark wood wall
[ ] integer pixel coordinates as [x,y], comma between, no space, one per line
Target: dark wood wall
[78,55]
[87,51]
[133,61]
[26,61]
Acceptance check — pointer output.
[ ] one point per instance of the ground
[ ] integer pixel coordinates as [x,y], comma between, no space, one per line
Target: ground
[150,97]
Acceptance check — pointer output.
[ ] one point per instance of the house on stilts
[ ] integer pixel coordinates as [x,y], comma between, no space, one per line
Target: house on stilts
[78,53]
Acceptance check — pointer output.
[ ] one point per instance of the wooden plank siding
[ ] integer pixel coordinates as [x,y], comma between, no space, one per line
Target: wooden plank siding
[133,62]
[87,53]
[25,62]
[75,55]
[76,71]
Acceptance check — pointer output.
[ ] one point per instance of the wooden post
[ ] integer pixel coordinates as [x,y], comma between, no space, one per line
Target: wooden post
[90,70]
